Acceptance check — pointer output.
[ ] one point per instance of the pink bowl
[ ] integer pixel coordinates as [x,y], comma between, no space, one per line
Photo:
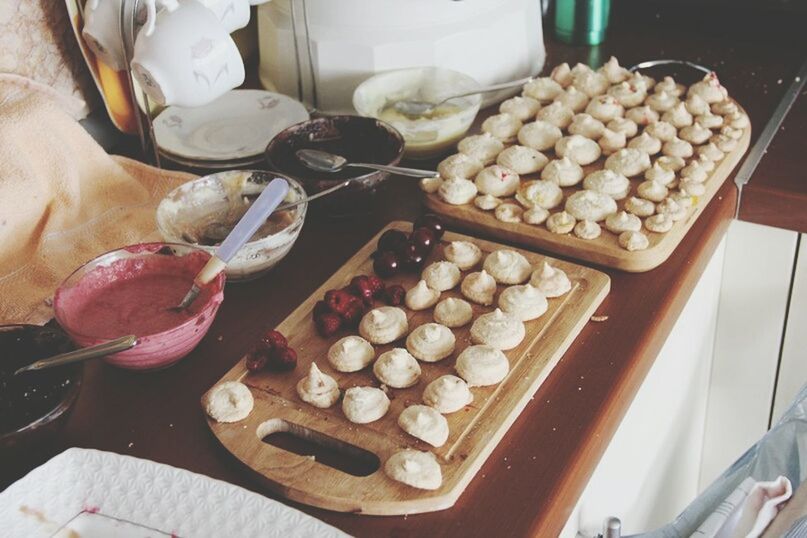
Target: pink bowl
[155,348]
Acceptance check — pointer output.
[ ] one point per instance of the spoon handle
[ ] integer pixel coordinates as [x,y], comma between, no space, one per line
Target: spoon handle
[113,346]
[320,194]
[411,172]
[486,89]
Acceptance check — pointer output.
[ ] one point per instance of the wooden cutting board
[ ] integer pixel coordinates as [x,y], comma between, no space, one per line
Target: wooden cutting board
[474,430]
[605,250]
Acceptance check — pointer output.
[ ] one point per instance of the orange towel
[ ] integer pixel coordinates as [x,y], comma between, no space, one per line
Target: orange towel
[63,200]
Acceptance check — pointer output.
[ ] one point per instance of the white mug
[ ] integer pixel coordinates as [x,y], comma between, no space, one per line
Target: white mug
[233,14]
[184,56]
[101,32]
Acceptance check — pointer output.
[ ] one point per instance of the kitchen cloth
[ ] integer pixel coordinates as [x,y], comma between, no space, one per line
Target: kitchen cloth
[63,199]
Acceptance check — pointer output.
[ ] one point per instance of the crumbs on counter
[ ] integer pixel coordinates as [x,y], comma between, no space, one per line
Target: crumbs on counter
[599,319]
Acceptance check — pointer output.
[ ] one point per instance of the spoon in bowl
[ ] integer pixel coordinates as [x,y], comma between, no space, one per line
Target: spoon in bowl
[416,109]
[99,350]
[322,161]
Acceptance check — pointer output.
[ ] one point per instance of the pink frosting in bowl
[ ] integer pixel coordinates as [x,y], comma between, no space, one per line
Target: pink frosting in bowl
[131,291]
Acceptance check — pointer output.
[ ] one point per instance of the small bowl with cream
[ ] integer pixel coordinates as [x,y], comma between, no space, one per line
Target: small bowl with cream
[202,212]
[434,133]
[132,291]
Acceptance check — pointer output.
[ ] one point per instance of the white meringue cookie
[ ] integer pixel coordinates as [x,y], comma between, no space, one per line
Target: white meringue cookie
[318,389]
[614,72]
[678,116]
[453,312]
[362,405]
[431,342]
[677,148]
[659,174]
[524,302]
[661,130]
[543,89]
[560,223]
[350,354]
[447,394]
[670,207]
[661,101]
[691,188]
[541,193]
[624,126]
[586,125]
[695,134]
[523,108]
[563,172]
[502,126]
[724,108]
[642,115]
[731,132]
[696,105]
[459,166]
[695,171]
[587,229]
[481,366]
[497,181]
[482,148]
[497,329]
[573,98]
[421,296]
[551,281]
[463,253]
[487,202]
[684,200]
[643,81]
[589,82]
[383,325]
[508,212]
[397,368]
[605,108]
[535,215]
[738,120]
[227,402]
[640,207]
[414,468]
[590,205]
[539,135]
[623,222]
[704,162]
[562,74]
[711,151]
[578,149]
[651,190]
[609,182]
[557,114]
[669,162]
[660,223]
[424,423]
[668,84]
[522,159]
[633,240]
[507,266]
[645,142]
[628,162]
[479,287]
[441,276]
[457,191]
[709,89]
[430,185]
[724,143]
[628,94]
[612,141]
[710,121]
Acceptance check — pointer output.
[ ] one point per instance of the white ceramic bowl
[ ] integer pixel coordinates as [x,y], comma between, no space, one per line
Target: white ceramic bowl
[425,137]
[215,203]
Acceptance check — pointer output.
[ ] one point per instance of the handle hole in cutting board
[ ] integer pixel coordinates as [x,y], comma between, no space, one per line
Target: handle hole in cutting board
[326,450]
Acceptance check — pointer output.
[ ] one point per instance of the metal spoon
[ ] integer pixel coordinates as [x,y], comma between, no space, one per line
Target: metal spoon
[414,109]
[99,350]
[323,161]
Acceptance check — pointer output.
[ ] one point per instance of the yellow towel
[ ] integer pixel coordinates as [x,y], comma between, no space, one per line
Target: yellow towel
[63,200]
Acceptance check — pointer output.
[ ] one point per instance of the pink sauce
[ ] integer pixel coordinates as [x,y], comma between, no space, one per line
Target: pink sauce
[136,296]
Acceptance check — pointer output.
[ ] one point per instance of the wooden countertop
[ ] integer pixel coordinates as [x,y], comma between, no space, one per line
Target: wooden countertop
[533,479]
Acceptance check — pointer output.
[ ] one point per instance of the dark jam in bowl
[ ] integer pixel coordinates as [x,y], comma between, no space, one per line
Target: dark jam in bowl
[355,138]
[28,397]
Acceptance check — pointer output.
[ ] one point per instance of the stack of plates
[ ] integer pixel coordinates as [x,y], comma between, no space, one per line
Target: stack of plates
[229,133]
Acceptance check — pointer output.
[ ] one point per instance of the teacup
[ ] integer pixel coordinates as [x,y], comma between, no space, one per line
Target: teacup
[184,56]
[101,32]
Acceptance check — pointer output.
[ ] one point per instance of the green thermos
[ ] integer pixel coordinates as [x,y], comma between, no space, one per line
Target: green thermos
[581,22]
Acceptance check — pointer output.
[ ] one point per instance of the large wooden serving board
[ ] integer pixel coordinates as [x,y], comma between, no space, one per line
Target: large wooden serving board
[605,250]
[474,430]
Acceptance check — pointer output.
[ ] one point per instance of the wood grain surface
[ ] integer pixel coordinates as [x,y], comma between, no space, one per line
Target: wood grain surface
[474,430]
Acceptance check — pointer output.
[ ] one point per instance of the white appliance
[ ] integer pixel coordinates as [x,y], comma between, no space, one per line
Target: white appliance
[350,40]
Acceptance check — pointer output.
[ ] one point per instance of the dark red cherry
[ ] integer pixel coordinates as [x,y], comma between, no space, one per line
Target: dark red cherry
[391,239]
[386,264]
[433,222]
[424,239]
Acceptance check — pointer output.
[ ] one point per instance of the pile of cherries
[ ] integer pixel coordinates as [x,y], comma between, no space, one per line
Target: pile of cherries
[272,353]
[344,308]
[398,252]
